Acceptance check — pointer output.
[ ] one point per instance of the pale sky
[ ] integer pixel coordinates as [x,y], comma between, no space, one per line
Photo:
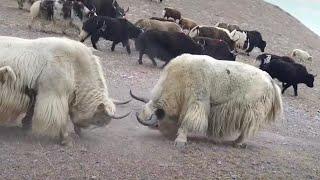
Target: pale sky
[307,11]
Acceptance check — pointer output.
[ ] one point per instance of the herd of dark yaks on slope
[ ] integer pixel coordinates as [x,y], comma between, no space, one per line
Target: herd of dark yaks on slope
[169,36]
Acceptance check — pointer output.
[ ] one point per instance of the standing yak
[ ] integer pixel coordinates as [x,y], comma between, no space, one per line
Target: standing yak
[196,93]
[68,80]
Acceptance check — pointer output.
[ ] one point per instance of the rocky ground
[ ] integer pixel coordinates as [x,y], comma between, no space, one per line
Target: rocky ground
[288,149]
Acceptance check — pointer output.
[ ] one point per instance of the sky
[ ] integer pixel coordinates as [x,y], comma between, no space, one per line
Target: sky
[306,11]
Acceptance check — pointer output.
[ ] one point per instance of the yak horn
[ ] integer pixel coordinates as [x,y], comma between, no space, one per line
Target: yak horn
[120,117]
[117,102]
[315,75]
[145,100]
[127,10]
[151,121]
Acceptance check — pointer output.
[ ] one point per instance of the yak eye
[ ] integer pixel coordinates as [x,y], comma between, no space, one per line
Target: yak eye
[160,113]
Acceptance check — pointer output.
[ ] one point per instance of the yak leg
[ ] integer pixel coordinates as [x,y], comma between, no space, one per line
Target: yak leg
[77,130]
[51,114]
[238,143]
[285,87]
[140,56]
[27,120]
[114,43]
[127,46]
[64,137]
[94,40]
[295,87]
[181,141]
[152,59]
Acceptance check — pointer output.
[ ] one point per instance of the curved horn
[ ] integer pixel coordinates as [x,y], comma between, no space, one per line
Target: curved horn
[315,75]
[151,121]
[127,10]
[145,100]
[120,117]
[117,102]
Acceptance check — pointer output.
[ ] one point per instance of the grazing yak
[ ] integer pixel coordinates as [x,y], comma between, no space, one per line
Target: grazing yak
[215,48]
[114,29]
[165,45]
[286,71]
[186,23]
[230,27]
[214,33]
[22,2]
[65,13]
[196,93]
[301,55]
[68,80]
[168,45]
[109,8]
[171,13]
[161,19]
[151,24]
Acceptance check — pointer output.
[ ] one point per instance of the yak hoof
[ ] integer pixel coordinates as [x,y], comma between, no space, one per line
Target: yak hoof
[66,141]
[77,130]
[240,145]
[181,145]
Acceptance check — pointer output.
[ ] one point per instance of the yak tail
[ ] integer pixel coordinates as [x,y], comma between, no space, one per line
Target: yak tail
[5,72]
[35,9]
[277,108]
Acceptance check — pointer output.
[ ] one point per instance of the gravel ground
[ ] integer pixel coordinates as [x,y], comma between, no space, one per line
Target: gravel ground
[288,149]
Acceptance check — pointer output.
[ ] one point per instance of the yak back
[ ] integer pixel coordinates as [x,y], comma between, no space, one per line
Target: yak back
[216,33]
[215,48]
[170,43]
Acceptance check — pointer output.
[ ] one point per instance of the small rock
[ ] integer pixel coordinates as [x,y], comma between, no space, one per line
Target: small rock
[234,176]
[219,162]
[93,177]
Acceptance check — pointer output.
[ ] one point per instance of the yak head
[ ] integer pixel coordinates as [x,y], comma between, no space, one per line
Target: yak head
[309,79]
[262,45]
[155,117]
[119,11]
[98,115]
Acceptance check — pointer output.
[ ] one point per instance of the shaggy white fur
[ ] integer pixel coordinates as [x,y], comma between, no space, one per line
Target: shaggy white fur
[301,56]
[6,72]
[66,75]
[215,97]
[240,38]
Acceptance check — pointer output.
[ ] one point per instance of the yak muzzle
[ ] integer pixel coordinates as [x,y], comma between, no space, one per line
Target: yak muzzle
[151,122]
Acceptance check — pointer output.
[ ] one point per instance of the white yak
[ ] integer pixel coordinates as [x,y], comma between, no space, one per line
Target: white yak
[67,77]
[196,93]
[301,56]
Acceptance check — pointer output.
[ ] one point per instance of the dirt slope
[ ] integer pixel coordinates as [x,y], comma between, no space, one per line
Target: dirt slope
[125,150]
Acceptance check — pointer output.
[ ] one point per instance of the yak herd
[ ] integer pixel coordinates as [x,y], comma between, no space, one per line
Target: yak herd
[201,88]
